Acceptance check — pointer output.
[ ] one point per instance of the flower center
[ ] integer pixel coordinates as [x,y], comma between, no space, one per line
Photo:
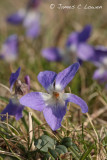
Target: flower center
[56,94]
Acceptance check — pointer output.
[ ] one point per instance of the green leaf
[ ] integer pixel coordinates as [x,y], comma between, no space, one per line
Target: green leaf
[53,153]
[61,149]
[44,143]
[67,141]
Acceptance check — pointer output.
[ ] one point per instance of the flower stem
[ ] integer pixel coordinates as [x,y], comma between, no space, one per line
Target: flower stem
[31,142]
[11,67]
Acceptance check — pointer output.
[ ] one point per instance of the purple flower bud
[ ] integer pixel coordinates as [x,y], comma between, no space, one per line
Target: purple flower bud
[34,3]
[27,81]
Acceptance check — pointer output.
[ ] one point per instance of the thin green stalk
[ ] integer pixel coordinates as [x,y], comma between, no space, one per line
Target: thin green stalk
[74,153]
[87,152]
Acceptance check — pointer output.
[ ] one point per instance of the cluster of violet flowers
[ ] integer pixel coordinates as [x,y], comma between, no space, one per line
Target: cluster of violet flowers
[77,49]
[54,102]
[14,108]
[29,18]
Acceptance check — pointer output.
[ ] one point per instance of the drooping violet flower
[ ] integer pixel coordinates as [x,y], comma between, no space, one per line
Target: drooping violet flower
[76,47]
[29,17]
[9,50]
[100,61]
[54,102]
[20,88]
[14,108]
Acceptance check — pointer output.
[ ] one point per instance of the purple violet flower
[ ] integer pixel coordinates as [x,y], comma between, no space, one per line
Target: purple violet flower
[100,61]
[75,48]
[28,17]
[14,107]
[9,50]
[32,24]
[52,54]
[54,102]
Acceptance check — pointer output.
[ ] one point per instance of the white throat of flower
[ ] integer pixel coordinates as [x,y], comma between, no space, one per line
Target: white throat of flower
[54,97]
[15,100]
[70,55]
[31,17]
